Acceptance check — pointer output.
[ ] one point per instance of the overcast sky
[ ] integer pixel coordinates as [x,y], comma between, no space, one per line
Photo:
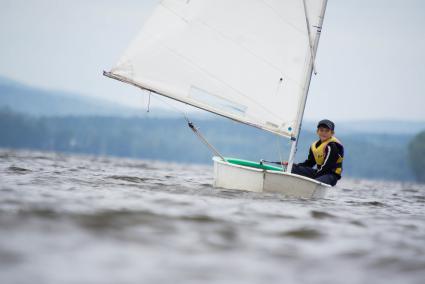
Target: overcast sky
[371,57]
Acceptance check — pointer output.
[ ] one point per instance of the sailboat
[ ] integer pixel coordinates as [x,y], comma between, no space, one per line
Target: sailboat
[247,60]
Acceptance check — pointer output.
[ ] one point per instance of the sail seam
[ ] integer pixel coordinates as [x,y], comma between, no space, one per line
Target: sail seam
[281,19]
[273,66]
[219,80]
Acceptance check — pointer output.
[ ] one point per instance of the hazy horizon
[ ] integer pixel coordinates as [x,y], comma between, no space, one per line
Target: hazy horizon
[159,111]
[370,58]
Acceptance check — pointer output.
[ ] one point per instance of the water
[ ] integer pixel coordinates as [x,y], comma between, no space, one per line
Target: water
[82,219]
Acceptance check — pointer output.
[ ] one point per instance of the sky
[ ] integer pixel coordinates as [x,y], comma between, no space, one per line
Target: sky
[370,61]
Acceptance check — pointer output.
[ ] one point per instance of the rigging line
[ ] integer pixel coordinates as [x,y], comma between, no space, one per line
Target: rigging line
[309,38]
[280,152]
[184,114]
[149,101]
[193,128]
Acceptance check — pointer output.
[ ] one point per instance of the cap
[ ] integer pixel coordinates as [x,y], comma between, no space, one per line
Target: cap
[326,123]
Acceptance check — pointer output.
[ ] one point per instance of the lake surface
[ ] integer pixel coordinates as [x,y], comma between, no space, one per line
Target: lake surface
[82,219]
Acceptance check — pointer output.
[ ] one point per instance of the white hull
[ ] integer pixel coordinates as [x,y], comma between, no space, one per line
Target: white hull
[231,176]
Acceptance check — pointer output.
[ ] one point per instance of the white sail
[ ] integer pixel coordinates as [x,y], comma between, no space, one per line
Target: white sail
[244,59]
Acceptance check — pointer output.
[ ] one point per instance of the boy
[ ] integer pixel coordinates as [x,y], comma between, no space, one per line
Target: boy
[327,153]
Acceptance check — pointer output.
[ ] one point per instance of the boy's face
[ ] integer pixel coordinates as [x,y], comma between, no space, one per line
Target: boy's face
[324,133]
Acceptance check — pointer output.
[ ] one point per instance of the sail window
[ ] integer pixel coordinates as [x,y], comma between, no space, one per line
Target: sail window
[217,102]
[271,124]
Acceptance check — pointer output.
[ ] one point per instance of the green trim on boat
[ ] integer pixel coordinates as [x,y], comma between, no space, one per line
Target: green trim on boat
[252,164]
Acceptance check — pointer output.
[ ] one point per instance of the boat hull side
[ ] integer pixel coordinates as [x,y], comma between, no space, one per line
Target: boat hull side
[293,185]
[230,176]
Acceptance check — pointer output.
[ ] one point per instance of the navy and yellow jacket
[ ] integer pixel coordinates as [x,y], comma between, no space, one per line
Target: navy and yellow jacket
[331,160]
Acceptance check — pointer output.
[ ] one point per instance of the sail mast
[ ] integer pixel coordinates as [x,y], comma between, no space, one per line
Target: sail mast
[306,84]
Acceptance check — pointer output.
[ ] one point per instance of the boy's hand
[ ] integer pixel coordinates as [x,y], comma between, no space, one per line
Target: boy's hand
[284,163]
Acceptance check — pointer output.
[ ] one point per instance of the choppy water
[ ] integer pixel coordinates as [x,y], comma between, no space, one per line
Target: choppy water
[79,219]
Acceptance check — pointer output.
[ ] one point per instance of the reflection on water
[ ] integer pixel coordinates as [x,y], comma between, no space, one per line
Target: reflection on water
[82,219]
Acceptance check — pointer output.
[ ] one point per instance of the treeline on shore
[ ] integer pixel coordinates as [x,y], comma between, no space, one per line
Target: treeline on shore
[376,156]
